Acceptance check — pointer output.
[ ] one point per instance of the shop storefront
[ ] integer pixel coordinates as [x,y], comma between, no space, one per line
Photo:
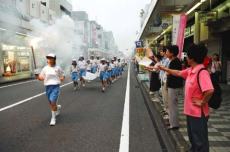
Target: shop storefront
[16,60]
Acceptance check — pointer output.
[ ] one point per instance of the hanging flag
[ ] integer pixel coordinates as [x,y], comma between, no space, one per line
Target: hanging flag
[179,25]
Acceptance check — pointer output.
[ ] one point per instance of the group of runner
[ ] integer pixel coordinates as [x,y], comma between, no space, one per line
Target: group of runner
[108,71]
[53,75]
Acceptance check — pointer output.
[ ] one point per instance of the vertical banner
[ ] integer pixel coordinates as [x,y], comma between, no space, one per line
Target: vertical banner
[179,25]
[175,29]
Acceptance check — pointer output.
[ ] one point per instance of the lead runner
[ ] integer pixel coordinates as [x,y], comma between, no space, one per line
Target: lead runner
[52,75]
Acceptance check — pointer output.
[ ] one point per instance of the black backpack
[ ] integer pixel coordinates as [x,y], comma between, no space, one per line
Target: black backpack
[216,98]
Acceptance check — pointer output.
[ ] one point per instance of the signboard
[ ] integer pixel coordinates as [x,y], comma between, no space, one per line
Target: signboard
[140,52]
[208,16]
[189,31]
[153,29]
[139,44]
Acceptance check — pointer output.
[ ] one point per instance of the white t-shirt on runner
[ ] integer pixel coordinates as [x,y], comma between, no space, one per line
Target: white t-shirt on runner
[74,69]
[82,64]
[93,62]
[89,66]
[102,67]
[112,65]
[115,63]
[51,75]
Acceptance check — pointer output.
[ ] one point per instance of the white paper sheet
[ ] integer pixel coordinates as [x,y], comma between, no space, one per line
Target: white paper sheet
[145,62]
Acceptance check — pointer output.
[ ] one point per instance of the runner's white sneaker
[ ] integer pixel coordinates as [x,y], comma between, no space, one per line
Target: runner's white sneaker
[52,122]
[58,110]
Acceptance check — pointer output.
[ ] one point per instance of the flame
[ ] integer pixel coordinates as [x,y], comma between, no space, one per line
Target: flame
[34,42]
[8,69]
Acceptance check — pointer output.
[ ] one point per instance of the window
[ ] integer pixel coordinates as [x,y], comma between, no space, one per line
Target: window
[9,63]
[43,3]
[23,64]
[15,59]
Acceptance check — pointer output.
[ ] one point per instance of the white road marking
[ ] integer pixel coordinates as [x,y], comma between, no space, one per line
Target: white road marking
[16,84]
[28,99]
[124,140]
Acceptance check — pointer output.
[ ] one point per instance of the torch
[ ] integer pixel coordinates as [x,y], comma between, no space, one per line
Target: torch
[33,43]
[32,49]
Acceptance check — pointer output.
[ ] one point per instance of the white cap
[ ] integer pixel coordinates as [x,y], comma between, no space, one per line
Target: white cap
[103,59]
[74,59]
[51,55]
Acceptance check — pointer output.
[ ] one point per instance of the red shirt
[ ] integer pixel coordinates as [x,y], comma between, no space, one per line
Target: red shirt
[207,61]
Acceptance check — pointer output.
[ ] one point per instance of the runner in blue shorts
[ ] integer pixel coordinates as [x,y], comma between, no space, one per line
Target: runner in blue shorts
[52,76]
[113,73]
[103,77]
[74,74]
[82,65]
[109,74]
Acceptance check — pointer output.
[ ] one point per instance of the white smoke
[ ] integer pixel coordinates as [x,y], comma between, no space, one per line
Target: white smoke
[56,38]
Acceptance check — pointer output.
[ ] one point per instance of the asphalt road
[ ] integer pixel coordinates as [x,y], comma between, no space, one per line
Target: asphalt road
[90,120]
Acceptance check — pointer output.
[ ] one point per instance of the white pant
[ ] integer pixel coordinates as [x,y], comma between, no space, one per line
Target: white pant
[173,106]
[164,90]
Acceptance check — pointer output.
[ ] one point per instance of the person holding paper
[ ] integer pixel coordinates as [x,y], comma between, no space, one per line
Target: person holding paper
[154,77]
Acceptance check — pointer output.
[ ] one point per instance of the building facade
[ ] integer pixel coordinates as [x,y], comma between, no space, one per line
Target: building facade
[207,22]
[16,59]
[91,38]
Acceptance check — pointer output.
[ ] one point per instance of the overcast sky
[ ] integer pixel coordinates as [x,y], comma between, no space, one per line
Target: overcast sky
[119,16]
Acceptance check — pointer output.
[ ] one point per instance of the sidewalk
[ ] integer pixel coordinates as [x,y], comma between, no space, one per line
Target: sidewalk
[18,77]
[219,122]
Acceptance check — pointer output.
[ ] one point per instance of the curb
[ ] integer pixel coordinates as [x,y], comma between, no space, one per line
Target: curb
[16,80]
[173,139]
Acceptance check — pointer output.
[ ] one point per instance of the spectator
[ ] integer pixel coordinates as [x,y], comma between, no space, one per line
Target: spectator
[174,85]
[163,77]
[196,99]
[155,83]
[216,67]
[207,60]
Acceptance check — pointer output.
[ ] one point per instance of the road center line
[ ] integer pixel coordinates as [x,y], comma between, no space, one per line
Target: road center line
[124,140]
[28,99]
[16,84]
